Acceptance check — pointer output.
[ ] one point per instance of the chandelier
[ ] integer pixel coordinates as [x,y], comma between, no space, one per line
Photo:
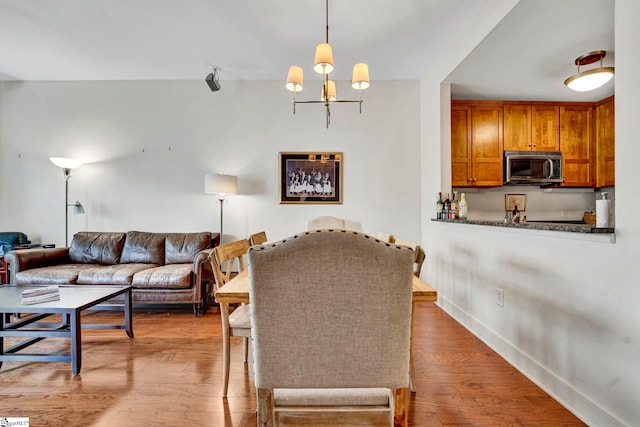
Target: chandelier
[323,64]
[591,79]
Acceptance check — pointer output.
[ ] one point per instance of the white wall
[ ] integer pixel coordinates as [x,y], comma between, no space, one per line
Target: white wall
[570,320]
[147,146]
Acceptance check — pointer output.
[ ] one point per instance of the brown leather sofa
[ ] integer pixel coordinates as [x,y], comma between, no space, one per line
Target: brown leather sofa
[161,267]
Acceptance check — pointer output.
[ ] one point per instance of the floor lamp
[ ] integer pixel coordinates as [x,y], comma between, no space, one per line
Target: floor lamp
[66,165]
[221,185]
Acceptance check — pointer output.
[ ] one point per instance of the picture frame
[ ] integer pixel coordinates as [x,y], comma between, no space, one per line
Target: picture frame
[513,200]
[310,177]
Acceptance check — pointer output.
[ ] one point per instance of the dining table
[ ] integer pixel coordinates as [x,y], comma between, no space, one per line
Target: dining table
[236,291]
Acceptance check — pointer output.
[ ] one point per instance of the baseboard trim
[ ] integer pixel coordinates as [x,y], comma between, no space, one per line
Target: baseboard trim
[588,411]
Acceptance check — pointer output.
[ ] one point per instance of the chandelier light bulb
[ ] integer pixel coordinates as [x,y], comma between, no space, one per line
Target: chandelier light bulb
[294,79]
[324,59]
[360,79]
[329,88]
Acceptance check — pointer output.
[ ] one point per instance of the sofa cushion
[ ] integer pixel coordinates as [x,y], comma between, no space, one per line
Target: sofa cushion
[62,274]
[172,276]
[143,247]
[94,247]
[119,274]
[183,247]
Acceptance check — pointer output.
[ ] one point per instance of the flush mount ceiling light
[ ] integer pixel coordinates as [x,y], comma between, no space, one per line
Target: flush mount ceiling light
[323,64]
[584,81]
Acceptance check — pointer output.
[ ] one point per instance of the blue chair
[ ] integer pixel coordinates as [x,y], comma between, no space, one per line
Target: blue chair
[9,241]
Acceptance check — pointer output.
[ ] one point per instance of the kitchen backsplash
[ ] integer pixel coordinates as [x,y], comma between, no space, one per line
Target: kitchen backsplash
[541,205]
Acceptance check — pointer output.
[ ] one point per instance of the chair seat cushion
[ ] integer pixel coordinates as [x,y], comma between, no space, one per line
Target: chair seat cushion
[62,274]
[239,318]
[331,396]
[118,274]
[172,276]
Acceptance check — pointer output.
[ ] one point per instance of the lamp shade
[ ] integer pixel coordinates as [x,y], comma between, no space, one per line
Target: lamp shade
[220,184]
[323,63]
[329,88]
[294,79]
[65,163]
[590,79]
[360,79]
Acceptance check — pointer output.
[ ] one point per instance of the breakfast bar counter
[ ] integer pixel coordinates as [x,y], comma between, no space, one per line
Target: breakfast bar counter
[534,225]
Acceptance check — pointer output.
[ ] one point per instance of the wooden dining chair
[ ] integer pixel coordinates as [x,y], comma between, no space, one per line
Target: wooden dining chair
[420,254]
[385,237]
[325,222]
[235,322]
[310,365]
[258,238]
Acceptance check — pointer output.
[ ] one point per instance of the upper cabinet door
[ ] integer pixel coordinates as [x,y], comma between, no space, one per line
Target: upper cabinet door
[461,146]
[605,143]
[576,133]
[545,128]
[486,145]
[517,128]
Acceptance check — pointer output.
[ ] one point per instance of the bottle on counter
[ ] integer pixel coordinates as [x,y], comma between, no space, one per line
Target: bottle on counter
[446,214]
[439,206]
[454,206]
[462,207]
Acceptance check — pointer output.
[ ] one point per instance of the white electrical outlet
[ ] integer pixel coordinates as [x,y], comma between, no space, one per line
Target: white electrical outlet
[499,297]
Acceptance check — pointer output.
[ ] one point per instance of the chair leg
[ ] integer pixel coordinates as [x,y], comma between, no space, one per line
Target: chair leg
[245,349]
[224,312]
[400,407]
[265,408]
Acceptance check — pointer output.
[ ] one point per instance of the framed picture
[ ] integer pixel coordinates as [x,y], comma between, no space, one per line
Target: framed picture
[513,200]
[311,178]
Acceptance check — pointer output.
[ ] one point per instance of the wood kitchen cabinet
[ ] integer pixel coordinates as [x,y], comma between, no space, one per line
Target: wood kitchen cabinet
[531,127]
[605,143]
[517,128]
[576,144]
[476,145]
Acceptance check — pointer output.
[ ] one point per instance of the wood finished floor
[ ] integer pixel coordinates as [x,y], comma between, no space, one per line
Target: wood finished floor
[170,375]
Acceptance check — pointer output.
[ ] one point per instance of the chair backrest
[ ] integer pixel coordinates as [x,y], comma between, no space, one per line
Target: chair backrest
[420,254]
[224,257]
[258,238]
[325,222]
[301,286]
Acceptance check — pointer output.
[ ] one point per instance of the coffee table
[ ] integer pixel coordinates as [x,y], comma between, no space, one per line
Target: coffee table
[73,300]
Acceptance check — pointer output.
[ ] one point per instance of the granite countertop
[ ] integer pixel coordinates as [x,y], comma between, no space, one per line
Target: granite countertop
[533,225]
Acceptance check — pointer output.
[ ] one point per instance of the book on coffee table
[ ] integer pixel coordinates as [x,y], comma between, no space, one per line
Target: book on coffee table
[38,295]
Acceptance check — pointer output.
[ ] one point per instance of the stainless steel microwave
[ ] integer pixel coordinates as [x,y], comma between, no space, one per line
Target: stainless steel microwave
[532,167]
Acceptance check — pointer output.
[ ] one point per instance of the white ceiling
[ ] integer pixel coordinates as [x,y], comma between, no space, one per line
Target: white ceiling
[527,56]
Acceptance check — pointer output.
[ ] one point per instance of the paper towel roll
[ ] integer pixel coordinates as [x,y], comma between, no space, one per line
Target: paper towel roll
[602,213]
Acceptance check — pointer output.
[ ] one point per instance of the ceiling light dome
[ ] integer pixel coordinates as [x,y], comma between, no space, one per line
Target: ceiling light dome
[591,79]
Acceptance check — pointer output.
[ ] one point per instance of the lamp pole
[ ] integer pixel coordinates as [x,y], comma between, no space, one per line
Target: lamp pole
[67,175]
[221,199]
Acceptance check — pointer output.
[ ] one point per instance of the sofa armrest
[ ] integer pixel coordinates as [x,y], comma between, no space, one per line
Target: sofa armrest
[202,266]
[26,259]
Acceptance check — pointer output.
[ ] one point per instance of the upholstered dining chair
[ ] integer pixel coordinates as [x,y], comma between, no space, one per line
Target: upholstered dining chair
[420,254]
[258,238]
[235,322]
[331,324]
[329,222]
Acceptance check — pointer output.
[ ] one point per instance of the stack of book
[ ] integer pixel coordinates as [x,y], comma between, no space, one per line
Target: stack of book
[38,295]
